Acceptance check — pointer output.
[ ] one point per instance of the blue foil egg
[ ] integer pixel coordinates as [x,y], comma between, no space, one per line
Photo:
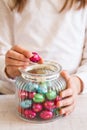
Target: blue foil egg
[26,103]
[42,88]
[31,87]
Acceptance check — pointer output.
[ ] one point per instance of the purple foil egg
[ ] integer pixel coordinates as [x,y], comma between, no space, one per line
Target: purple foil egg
[37,107]
[49,105]
[29,114]
[31,95]
[35,58]
[46,115]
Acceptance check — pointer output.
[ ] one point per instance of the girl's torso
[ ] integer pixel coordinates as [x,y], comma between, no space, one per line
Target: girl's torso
[55,36]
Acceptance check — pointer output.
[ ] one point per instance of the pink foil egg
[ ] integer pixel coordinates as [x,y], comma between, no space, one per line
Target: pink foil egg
[58,98]
[37,107]
[23,94]
[49,105]
[31,95]
[35,58]
[46,115]
[29,114]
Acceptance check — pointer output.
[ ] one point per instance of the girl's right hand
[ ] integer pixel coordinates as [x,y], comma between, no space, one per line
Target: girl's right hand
[15,58]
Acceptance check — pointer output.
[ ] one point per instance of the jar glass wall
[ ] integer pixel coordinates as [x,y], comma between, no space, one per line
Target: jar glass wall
[37,91]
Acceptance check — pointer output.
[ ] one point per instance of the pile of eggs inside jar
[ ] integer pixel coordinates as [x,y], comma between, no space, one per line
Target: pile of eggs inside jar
[37,100]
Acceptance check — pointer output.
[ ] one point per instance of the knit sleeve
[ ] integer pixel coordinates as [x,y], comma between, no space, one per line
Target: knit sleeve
[6,36]
[82,70]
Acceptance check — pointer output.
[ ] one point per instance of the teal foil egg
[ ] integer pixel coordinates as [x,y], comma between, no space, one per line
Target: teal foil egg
[26,103]
[57,112]
[30,87]
[42,88]
[51,95]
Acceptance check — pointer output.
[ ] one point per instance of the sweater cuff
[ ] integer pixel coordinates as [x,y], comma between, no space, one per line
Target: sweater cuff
[3,75]
[83,78]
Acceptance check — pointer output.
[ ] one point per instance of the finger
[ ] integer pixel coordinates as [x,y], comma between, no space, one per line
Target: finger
[65,75]
[22,51]
[13,62]
[67,109]
[13,71]
[66,93]
[67,113]
[41,61]
[65,102]
[17,56]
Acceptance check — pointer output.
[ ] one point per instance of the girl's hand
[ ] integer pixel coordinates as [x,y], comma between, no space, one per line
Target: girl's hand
[16,57]
[69,95]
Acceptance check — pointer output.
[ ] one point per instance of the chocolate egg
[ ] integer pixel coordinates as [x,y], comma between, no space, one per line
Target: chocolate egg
[31,87]
[49,105]
[35,58]
[46,115]
[51,95]
[31,95]
[57,99]
[20,110]
[29,114]
[37,107]
[56,112]
[42,88]
[39,98]
[22,94]
[26,103]
[49,83]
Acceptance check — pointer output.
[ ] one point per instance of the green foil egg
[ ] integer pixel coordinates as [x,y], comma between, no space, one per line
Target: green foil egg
[57,112]
[26,103]
[51,95]
[39,98]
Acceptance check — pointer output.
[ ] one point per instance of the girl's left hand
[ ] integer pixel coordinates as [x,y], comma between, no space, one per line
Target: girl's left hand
[69,95]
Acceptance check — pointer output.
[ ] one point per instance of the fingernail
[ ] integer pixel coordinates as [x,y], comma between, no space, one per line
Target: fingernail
[59,104]
[62,95]
[62,112]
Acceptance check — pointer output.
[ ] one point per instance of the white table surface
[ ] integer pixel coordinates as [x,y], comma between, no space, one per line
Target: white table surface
[10,121]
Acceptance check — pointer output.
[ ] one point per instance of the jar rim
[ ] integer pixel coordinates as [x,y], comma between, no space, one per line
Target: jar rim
[54,66]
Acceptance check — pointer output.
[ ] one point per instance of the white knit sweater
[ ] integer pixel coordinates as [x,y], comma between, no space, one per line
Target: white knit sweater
[55,36]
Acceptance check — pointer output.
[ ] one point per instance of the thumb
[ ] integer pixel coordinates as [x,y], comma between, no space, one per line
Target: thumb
[65,75]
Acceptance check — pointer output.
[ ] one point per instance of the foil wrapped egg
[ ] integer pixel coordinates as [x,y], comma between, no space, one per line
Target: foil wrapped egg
[49,105]
[39,98]
[42,89]
[30,87]
[51,95]
[35,58]
[37,107]
[46,115]
[31,95]
[20,110]
[57,99]
[26,103]
[29,114]
[22,94]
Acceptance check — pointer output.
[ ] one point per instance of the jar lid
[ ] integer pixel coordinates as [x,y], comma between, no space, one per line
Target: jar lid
[49,70]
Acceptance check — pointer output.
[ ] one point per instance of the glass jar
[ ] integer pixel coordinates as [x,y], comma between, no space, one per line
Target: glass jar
[37,91]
